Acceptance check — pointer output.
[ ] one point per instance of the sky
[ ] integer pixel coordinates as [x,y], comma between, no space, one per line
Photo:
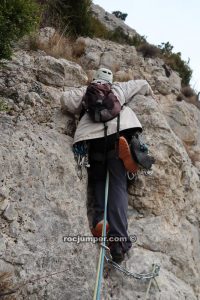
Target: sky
[173,21]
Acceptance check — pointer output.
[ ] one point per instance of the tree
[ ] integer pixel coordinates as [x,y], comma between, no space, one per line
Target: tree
[17,18]
[166,48]
[118,14]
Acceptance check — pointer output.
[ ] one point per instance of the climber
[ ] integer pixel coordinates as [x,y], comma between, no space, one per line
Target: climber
[103,155]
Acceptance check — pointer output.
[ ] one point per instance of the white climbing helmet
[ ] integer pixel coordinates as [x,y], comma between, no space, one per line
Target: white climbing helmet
[104,74]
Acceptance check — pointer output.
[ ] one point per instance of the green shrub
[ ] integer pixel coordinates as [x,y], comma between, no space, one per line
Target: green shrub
[98,29]
[3,106]
[179,65]
[69,15]
[17,18]
[148,50]
[137,40]
[75,18]
[175,61]
[52,12]
[78,14]
[118,14]
[118,35]
[166,48]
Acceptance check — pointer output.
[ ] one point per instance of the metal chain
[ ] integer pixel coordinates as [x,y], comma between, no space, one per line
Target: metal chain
[140,276]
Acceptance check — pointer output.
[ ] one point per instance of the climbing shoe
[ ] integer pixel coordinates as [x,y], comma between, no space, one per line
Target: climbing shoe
[125,155]
[117,252]
[97,230]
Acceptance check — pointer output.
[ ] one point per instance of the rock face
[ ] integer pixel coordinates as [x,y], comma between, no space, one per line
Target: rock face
[110,21]
[124,58]
[42,198]
[42,201]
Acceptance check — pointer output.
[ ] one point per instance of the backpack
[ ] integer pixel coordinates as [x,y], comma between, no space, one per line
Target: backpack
[100,102]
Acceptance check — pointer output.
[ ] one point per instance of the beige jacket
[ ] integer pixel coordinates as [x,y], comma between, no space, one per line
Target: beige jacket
[125,91]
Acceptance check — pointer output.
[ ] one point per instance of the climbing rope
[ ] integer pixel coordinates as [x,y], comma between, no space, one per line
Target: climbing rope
[99,276]
[107,256]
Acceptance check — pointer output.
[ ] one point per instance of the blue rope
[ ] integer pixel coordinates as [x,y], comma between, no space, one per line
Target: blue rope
[97,291]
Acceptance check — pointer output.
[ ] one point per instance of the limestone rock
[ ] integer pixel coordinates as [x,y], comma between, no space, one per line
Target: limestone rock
[42,198]
[45,35]
[111,55]
[184,119]
[110,21]
[59,72]
[175,82]
[162,85]
[39,174]
[33,98]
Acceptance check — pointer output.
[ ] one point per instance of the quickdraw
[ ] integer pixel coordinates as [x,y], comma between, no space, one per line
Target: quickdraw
[80,151]
[132,176]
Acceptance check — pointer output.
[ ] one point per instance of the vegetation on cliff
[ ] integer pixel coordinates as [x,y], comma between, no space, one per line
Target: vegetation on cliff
[17,18]
[75,18]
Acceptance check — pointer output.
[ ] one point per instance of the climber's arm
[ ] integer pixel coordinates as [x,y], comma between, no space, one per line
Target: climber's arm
[135,87]
[71,100]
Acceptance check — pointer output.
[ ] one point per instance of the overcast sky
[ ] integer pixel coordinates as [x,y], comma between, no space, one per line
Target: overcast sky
[176,21]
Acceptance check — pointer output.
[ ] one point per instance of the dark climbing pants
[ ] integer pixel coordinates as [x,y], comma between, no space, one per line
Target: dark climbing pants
[117,195]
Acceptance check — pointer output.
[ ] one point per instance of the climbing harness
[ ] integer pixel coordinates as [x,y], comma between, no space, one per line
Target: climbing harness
[99,276]
[80,151]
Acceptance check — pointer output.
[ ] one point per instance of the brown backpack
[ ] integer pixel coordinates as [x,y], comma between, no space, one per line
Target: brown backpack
[100,102]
